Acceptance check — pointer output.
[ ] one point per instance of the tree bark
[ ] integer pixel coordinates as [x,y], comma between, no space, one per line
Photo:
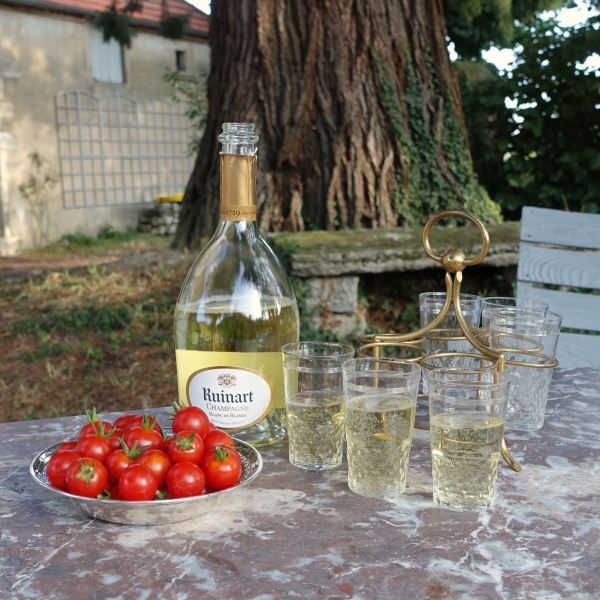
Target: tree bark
[358,111]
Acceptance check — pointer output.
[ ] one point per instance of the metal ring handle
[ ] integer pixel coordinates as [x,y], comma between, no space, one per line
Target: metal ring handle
[461,214]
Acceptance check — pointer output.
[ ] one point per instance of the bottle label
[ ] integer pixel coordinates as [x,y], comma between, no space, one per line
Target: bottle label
[235,389]
[237,213]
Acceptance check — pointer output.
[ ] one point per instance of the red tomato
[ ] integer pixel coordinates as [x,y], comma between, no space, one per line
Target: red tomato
[138,482]
[144,437]
[222,467]
[105,494]
[211,427]
[93,423]
[122,421]
[115,494]
[186,446]
[191,418]
[86,477]
[115,439]
[67,446]
[57,466]
[120,459]
[115,464]
[207,490]
[145,420]
[185,479]
[94,446]
[217,438]
[93,428]
[158,462]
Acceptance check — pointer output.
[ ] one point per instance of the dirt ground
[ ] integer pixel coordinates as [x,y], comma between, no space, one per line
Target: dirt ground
[84,330]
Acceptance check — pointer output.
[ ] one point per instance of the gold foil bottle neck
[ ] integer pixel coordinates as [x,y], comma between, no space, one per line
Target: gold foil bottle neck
[238,187]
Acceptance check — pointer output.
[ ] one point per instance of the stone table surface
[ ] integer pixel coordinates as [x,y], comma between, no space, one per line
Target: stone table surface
[296,534]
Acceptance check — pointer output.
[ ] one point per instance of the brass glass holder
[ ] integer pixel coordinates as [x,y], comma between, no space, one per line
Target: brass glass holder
[454,262]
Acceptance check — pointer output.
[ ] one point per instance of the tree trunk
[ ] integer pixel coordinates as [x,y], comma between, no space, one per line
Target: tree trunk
[358,111]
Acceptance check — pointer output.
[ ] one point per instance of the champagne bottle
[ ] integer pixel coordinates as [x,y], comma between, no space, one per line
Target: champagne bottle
[236,310]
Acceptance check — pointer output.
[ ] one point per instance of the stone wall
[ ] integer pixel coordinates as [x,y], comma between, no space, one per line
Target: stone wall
[330,263]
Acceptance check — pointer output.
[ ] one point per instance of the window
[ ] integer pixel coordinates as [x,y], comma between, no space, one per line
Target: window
[180,60]
[107,59]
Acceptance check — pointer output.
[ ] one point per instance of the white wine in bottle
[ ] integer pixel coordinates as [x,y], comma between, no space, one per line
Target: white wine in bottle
[236,310]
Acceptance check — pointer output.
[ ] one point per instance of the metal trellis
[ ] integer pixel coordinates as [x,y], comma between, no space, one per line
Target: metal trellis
[115,150]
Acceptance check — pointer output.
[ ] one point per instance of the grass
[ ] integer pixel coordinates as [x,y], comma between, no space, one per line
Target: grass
[108,241]
[100,339]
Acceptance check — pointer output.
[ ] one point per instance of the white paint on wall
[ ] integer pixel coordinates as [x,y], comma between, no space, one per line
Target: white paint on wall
[53,54]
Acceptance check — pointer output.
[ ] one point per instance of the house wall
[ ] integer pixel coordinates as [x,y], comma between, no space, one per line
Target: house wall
[53,55]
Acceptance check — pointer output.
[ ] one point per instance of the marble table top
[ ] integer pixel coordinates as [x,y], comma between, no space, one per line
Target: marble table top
[296,534]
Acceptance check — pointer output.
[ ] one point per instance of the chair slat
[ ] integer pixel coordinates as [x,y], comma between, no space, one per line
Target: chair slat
[538,264]
[579,311]
[571,268]
[576,350]
[560,228]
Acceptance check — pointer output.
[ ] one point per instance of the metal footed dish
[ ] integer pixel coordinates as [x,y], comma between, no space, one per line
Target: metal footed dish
[154,512]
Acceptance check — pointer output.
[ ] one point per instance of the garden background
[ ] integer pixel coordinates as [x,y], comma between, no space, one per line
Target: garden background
[87,321]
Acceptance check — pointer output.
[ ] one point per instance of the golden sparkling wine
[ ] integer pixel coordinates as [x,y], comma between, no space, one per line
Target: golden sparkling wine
[236,310]
[379,434]
[315,429]
[465,448]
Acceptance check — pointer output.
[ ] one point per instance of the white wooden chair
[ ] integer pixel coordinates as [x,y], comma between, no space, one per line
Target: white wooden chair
[563,249]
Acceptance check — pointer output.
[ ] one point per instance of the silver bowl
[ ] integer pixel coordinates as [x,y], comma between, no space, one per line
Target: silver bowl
[153,512]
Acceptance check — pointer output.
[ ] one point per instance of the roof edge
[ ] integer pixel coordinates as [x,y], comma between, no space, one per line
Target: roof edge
[82,12]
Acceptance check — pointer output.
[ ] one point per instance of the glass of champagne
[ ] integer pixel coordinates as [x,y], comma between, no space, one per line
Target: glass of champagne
[448,336]
[315,402]
[528,339]
[381,399]
[467,410]
[488,304]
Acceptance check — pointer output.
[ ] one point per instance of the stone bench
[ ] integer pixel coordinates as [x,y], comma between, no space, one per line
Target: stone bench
[331,262]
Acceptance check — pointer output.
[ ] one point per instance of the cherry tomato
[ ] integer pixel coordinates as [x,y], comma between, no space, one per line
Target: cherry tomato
[93,424]
[207,490]
[93,428]
[138,482]
[115,494]
[185,479]
[186,446]
[156,461]
[67,446]
[144,437]
[217,438]
[222,467]
[120,459]
[145,420]
[56,470]
[123,420]
[94,446]
[115,439]
[115,464]
[86,477]
[191,418]
[106,492]
[211,427]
